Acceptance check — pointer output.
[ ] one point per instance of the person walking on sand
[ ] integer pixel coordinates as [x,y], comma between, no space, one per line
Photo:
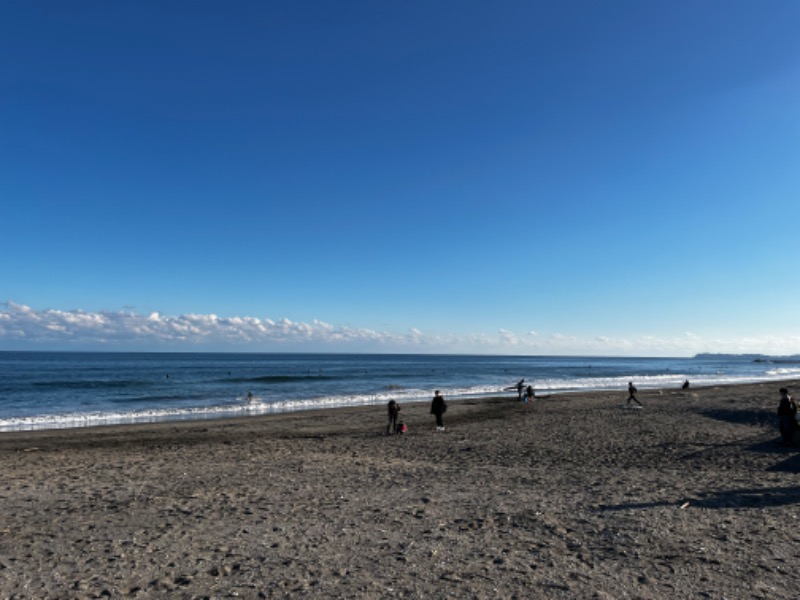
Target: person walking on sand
[787,417]
[632,394]
[438,408]
[393,409]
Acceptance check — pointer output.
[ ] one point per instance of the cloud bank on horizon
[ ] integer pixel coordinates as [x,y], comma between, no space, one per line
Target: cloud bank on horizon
[25,328]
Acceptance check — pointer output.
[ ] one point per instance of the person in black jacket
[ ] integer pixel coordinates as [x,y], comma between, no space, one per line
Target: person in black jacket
[438,408]
[632,394]
[394,411]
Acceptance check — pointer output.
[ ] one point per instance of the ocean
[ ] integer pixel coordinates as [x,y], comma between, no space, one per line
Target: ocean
[47,390]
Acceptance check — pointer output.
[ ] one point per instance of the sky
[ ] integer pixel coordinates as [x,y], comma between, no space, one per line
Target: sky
[573,177]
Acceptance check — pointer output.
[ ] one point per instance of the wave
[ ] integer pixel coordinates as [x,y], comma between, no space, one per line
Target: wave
[281,379]
[260,406]
[156,399]
[784,372]
[90,384]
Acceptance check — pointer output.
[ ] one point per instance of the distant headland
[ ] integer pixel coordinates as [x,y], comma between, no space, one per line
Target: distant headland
[750,357]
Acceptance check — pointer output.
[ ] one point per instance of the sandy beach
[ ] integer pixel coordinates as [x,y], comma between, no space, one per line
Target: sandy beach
[571,496]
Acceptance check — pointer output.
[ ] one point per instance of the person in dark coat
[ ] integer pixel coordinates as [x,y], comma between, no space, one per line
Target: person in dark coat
[394,411]
[438,408]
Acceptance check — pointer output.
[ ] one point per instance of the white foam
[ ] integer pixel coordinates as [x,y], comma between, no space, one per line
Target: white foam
[784,372]
[260,406]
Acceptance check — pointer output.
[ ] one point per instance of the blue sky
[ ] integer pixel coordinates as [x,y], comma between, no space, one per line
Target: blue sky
[581,177]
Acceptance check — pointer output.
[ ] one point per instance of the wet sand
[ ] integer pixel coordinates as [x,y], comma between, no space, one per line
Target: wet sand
[571,496]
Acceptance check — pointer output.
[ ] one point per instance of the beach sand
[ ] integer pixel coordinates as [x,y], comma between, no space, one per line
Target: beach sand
[571,496]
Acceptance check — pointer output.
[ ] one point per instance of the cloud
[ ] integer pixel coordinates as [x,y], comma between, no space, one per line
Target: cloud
[24,328]
[124,328]
[509,337]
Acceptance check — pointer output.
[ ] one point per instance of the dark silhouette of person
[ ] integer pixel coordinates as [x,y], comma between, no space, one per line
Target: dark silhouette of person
[393,409]
[632,394]
[438,408]
[787,417]
[529,394]
[685,385]
[520,388]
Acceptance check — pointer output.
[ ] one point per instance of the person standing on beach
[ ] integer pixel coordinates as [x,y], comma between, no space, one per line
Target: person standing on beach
[438,408]
[530,396]
[632,394]
[787,417]
[394,412]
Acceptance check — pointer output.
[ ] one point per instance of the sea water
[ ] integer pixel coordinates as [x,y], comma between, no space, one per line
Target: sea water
[42,390]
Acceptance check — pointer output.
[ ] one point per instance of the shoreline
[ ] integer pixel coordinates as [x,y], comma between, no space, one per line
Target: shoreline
[502,395]
[63,391]
[568,496]
[213,422]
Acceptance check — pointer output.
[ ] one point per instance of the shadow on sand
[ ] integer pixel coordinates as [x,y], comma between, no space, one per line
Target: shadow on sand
[748,497]
[768,419]
[743,498]
[743,416]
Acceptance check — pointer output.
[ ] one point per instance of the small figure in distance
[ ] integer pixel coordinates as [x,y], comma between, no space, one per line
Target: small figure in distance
[519,386]
[249,396]
[530,395]
[438,408]
[632,394]
[685,385]
[787,417]
[394,411]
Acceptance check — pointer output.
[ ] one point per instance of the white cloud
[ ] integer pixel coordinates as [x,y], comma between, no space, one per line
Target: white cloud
[22,327]
[509,337]
[76,328]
